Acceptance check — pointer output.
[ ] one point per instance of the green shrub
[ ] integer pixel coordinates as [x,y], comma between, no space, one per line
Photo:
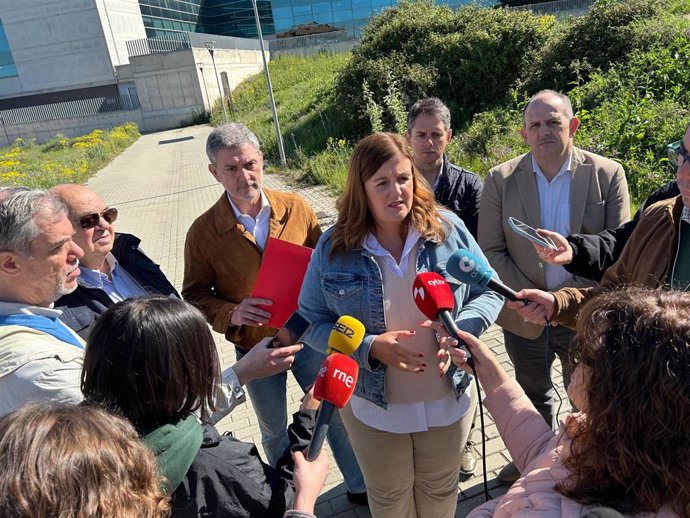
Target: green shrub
[470,58]
[606,35]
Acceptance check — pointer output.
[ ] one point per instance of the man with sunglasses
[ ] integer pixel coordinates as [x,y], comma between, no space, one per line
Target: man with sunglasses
[113,267]
[656,255]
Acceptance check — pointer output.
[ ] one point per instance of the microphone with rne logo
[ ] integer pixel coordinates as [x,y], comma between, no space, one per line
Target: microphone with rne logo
[470,269]
[434,298]
[346,335]
[334,386]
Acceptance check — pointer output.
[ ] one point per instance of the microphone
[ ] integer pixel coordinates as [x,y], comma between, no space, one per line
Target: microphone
[434,298]
[470,269]
[346,335]
[334,386]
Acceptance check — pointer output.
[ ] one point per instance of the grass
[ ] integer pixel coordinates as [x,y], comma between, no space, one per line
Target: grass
[62,159]
[310,122]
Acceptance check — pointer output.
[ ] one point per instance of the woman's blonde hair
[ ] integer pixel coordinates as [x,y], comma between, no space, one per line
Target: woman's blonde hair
[61,461]
[355,220]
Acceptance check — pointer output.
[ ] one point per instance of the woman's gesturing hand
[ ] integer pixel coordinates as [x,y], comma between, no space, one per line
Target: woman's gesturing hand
[396,349]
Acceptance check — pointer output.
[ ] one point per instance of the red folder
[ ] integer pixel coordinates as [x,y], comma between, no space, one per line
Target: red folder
[280,278]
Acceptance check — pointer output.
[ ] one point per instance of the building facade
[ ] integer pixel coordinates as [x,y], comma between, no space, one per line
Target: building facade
[236,17]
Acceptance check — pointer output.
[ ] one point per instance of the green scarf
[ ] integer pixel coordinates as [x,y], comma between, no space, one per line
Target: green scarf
[175,447]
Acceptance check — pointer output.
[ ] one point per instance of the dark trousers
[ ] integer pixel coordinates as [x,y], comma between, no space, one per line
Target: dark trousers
[533,368]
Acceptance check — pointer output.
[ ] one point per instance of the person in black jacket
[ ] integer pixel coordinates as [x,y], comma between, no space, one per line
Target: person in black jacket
[429,132]
[154,361]
[590,255]
[113,268]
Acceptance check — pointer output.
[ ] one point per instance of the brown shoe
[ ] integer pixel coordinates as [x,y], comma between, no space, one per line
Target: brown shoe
[508,474]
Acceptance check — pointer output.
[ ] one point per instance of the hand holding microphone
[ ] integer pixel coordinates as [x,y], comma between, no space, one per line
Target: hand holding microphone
[435,299]
[336,379]
[541,306]
[533,305]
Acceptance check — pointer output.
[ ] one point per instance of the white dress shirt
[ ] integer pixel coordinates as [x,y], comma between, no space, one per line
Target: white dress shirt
[554,208]
[259,228]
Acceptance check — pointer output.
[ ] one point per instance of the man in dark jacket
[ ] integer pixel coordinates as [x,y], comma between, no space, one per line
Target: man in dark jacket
[113,267]
[429,132]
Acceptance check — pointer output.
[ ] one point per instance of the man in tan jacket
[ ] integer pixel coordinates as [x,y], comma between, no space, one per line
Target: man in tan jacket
[555,186]
[223,253]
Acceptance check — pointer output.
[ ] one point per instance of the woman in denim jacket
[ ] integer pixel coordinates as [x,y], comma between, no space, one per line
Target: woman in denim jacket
[408,423]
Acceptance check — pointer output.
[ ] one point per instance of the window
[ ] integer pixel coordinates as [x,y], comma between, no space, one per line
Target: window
[7,66]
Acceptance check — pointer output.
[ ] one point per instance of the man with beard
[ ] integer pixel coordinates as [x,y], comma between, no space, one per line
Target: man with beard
[223,254]
[40,357]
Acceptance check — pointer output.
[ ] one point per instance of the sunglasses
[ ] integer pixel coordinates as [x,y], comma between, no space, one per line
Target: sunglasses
[677,154]
[92,219]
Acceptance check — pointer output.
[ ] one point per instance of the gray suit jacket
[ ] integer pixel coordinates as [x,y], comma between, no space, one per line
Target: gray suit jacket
[598,200]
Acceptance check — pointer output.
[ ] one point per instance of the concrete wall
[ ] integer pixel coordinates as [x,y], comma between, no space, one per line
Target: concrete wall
[66,44]
[71,127]
[171,88]
[121,21]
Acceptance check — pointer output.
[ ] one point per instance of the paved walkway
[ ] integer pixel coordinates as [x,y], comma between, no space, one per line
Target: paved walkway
[160,185]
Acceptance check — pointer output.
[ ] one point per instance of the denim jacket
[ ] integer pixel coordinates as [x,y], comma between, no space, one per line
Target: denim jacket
[351,284]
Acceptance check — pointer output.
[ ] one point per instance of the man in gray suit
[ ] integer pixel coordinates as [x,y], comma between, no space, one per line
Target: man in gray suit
[558,187]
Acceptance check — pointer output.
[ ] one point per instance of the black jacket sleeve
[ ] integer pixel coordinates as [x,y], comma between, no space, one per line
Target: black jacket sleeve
[228,479]
[593,254]
[299,435]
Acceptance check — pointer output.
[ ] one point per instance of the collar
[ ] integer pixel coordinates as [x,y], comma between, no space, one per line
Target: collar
[372,244]
[93,277]
[264,205]
[225,220]
[175,446]
[685,214]
[565,168]
[17,308]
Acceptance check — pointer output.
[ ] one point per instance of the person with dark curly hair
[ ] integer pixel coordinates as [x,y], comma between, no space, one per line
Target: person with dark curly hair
[629,447]
[75,461]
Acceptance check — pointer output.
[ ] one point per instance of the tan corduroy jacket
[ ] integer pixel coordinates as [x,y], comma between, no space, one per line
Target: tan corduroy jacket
[222,259]
[598,200]
[646,260]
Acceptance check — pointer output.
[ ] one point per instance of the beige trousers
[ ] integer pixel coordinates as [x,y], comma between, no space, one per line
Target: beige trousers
[410,475]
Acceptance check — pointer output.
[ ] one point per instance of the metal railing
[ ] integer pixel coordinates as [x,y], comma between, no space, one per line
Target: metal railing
[557,7]
[68,109]
[145,46]
[310,40]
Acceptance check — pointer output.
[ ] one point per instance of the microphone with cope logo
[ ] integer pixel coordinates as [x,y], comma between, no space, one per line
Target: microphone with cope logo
[337,378]
[435,299]
[470,269]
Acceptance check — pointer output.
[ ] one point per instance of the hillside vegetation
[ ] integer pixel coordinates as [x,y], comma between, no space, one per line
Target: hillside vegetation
[624,65]
[62,159]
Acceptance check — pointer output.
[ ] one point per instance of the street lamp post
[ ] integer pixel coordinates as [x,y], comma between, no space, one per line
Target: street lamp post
[279,136]
[211,47]
[200,64]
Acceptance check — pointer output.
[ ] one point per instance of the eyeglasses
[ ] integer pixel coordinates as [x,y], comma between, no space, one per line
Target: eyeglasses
[90,220]
[677,154]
